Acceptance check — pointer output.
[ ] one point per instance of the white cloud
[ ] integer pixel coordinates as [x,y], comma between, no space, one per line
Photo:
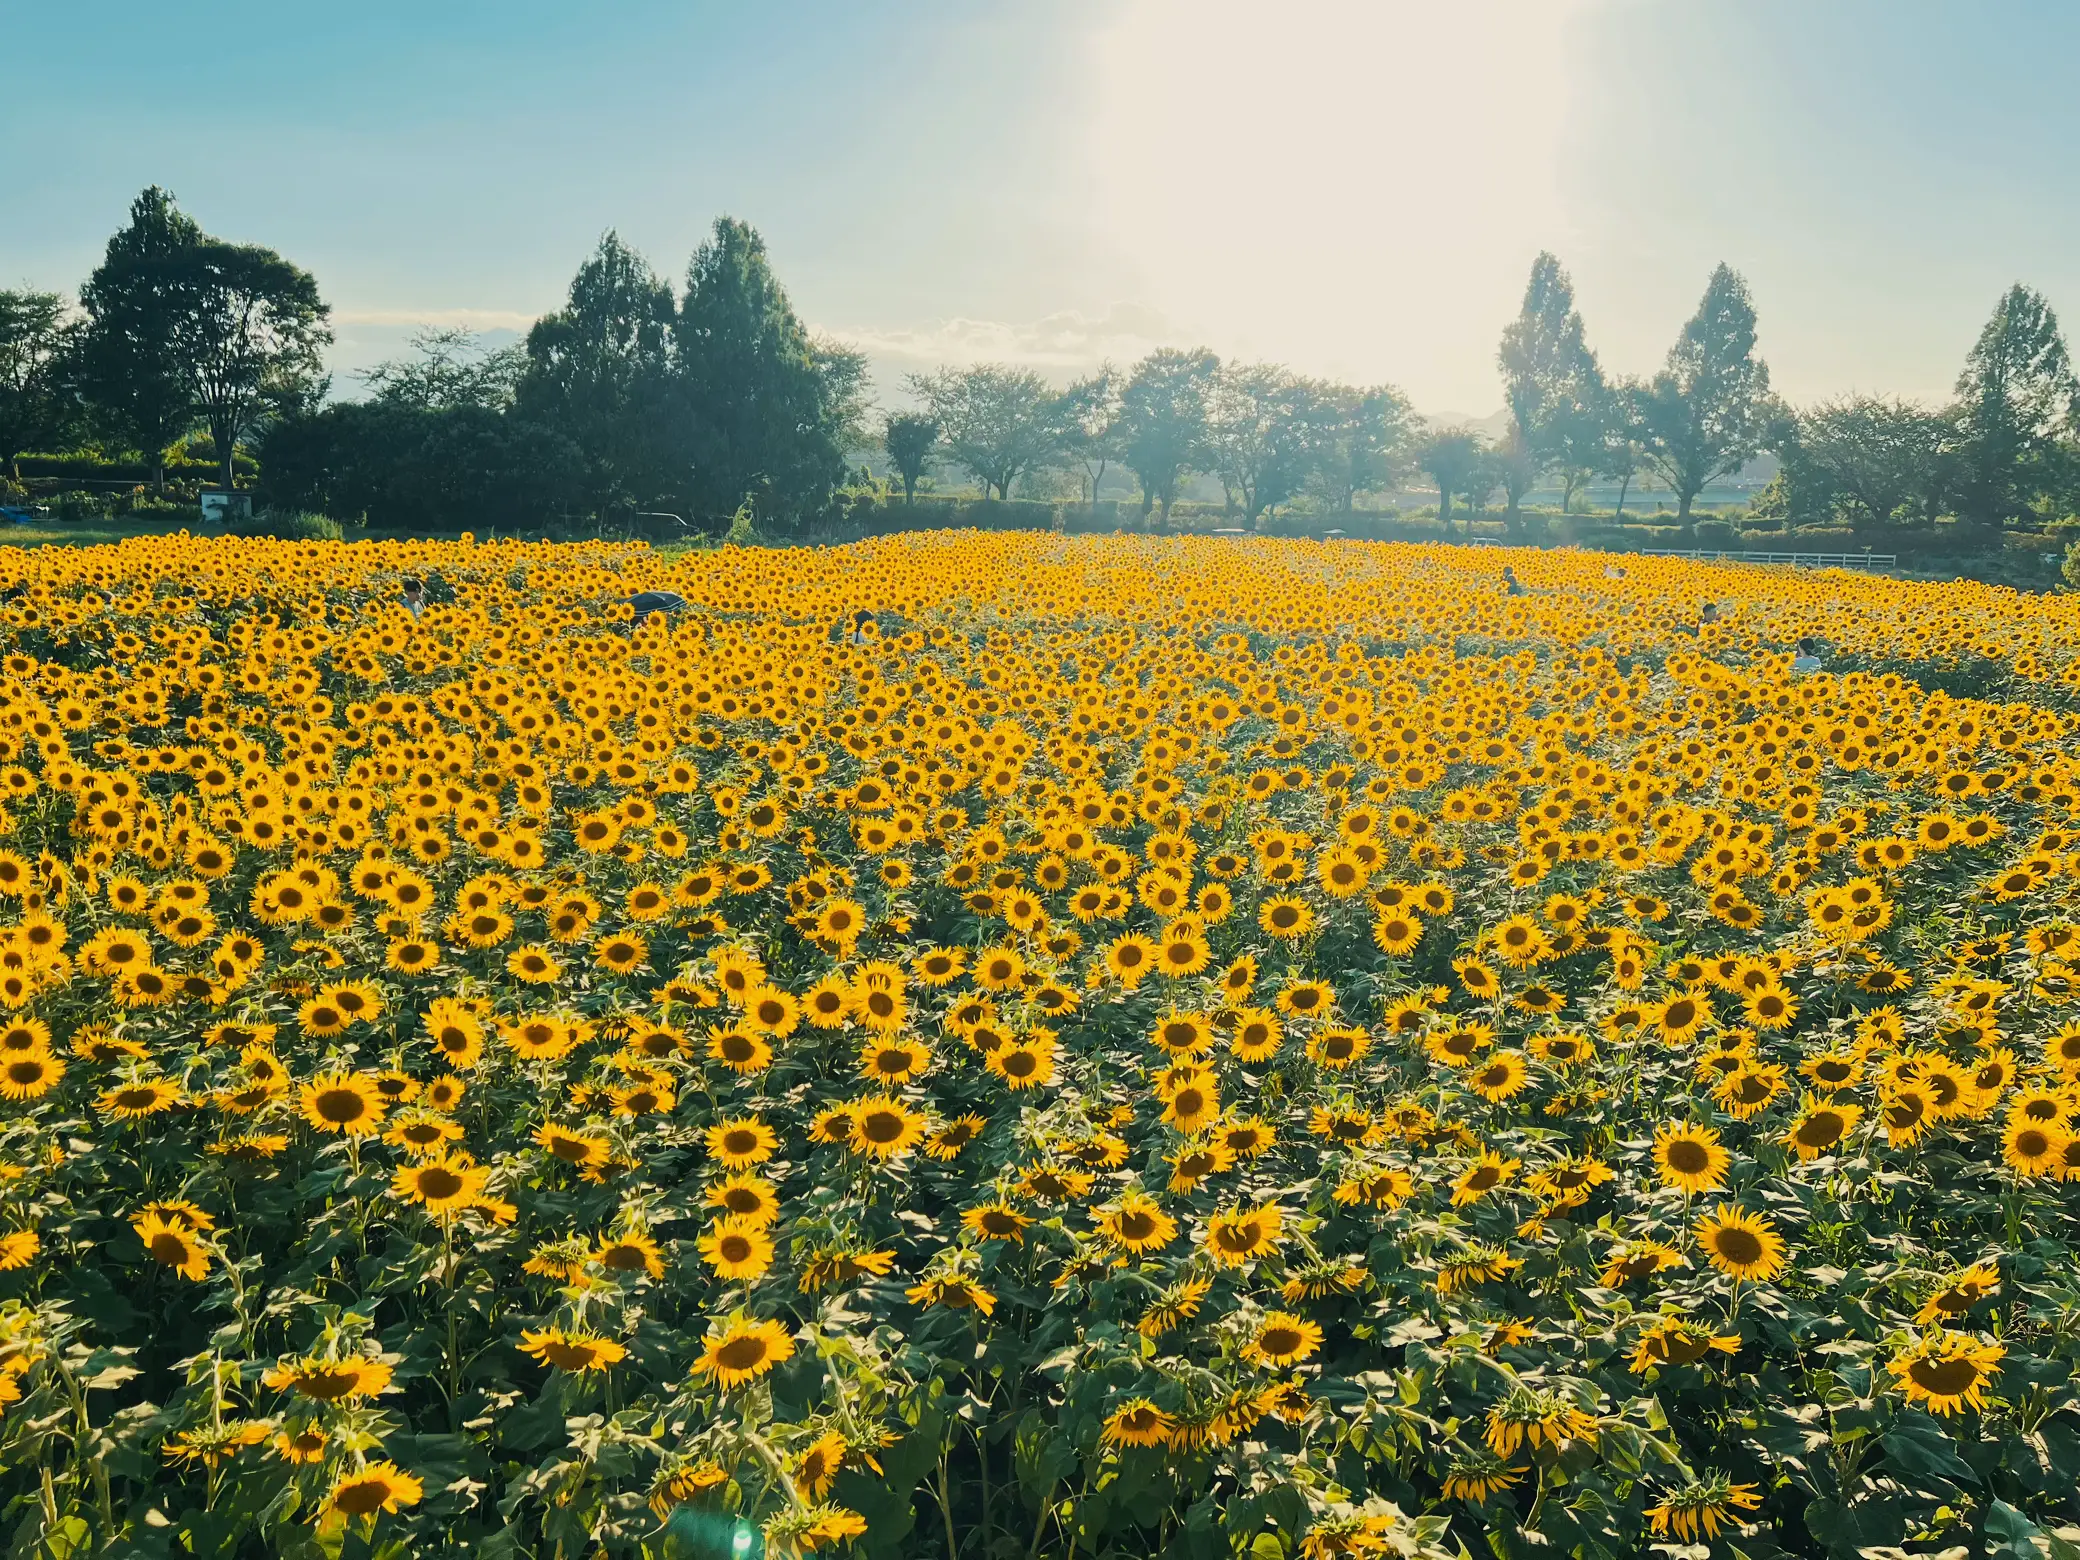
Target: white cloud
[1062,343]
[468,319]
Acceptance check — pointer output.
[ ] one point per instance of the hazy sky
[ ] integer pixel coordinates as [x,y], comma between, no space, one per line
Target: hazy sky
[1355,187]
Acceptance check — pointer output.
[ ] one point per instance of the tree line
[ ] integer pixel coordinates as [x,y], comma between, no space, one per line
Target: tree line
[701,400]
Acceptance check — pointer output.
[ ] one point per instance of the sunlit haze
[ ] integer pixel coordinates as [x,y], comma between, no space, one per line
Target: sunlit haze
[1354,187]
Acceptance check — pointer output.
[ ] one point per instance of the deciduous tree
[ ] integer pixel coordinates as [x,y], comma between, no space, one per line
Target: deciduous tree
[250,335]
[1872,456]
[1086,419]
[909,438]
[1705,414]
[35,411]
[1452,457]
[997,422]
[1163,420]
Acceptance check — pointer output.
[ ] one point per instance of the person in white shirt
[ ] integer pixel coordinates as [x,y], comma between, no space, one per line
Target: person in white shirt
[1808,657]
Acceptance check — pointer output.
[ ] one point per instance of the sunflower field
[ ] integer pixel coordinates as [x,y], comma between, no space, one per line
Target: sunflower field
[1149,1047]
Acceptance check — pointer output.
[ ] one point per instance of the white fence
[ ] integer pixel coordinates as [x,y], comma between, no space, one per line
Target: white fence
[1797,560]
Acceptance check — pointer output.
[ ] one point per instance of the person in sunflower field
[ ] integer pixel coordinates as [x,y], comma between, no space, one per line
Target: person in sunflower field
[855,632]
[1808,657]
[414,595]
[1511,585]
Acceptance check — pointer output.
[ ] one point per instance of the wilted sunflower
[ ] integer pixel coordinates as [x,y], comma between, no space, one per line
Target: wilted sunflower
[571,1350]
[1701,1507]
[329,1381]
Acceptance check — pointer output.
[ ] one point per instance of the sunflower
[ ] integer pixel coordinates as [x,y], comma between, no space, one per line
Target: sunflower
[1906,1112]
[1282,1339]
[1483,1176]
[18,1248]
[737,1249]
[2034,1148]
[742,1351]
[442,1186]
[1129,957]
[1498,1078]
[1701,1507]
[29,1075]
[629,1253]
[1284,916]
[1256,1036]
[947,1142]
[1690,1158]
[172,1243]
[329,1381]
[745,1197]
[954,1291]
[343,1103]
[587,1150]
[741,1142]
[1741,1245]
[302,1444]
[1137,1422]
[1821,1127]
[1138,1224]
[1233,1238]
[381,1486]
[136,1101]
[1959,1295]
[996,1220]
[883,1127]
[1192,1104]
[1676,1340]
[1947,1371]
[1025,1064]
[571,1350]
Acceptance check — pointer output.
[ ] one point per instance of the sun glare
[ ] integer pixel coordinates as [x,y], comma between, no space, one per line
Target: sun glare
[1406,148]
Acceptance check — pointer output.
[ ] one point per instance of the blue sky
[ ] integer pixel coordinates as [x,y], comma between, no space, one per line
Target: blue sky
[1353,186]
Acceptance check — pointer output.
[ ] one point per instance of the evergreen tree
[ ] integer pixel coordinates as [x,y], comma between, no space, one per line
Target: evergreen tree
[2016,397]
[764,411]
[599,372]
[129,365]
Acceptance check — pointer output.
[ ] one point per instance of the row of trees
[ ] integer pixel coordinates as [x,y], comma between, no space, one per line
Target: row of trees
[1268,435]
[636,396]
[633,396]
[631,399]
[2007,448]
[175,330]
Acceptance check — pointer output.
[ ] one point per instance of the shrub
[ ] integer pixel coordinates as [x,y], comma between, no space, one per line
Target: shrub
[288,526]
